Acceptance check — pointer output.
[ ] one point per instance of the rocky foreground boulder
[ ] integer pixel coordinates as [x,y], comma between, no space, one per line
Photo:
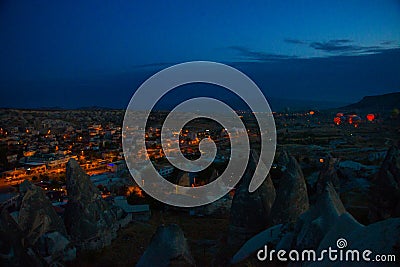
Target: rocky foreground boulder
[385,192]
[291,196]
[381,238]
[250,212]
[218,208]
[321,227]
[13,250]
[167,245]
[283,159]
[389,172]
[313,225]
[328,174]
[89,220]
[37,216]
[305,233]
[42,228]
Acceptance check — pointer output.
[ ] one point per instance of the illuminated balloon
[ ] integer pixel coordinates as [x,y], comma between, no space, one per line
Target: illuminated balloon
[371,117]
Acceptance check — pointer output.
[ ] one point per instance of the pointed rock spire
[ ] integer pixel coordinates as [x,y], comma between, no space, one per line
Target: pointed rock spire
[250,212]
[87,216]
[37,215]
[291,196]
[167,244]
[385,192]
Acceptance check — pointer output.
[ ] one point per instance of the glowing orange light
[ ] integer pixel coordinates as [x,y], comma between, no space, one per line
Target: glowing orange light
[371,117]
[135,190]
[337,120]
[321,160]
[312,112]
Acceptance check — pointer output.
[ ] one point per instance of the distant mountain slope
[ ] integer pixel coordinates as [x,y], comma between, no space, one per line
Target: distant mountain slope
[281,104]
[377,103]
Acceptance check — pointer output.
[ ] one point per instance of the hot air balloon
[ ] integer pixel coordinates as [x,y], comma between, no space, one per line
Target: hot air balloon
[355,120]
[337,120]
[371,117]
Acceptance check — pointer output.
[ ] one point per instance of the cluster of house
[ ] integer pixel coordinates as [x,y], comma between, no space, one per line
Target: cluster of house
[45,145]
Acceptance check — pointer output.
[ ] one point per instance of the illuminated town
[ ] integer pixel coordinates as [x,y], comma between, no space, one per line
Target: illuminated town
[45,147]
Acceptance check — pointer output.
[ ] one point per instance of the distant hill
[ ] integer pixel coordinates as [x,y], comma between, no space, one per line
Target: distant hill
[96,108]
[282,104]
[377,103]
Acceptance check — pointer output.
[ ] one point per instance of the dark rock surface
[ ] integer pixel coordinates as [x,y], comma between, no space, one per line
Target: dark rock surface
[167,244]
[385,192]
[89,220]
[42,228]
[291,196]
[283,159]
[312,226]
[343,226]
[267,237]
[375,103]
[218,208]
[328,174]
[389,173]
[13,251]
[381,238]
[250,212]
[24,187]
[55,247]
[37,216]
[327,221]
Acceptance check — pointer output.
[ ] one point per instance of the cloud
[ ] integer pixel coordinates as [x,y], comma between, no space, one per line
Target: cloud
[151,65]
[388,42]
[344,47]
[341,41]
[259,55]
[333,47]
[293,41]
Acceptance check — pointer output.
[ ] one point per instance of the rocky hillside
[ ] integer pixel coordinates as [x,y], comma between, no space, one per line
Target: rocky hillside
[377,103]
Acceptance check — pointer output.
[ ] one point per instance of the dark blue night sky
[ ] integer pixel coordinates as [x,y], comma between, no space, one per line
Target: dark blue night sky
[96,53]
